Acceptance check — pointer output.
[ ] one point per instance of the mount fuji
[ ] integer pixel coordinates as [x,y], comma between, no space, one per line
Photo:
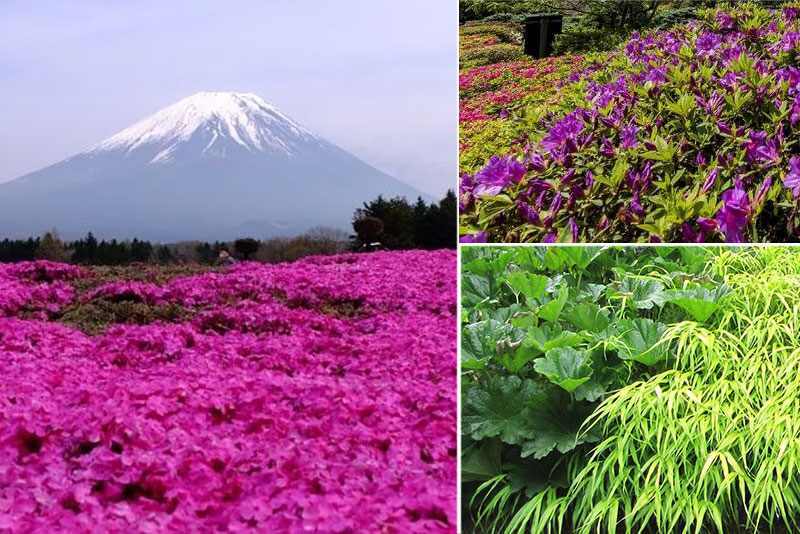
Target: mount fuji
[211,166]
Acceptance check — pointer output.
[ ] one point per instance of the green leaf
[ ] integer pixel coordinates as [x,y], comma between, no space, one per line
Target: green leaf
[565,367]
[580,257]
[699,302]
[501,408]
[638,341]
[481,461]
[588,316]
[642,294]
[531,285]
[475,289]
[552,309]
[506,314]
[556,425]
[479,341]
[538,341]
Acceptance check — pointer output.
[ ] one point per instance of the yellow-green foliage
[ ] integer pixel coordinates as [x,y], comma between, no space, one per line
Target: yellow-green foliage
[710,445]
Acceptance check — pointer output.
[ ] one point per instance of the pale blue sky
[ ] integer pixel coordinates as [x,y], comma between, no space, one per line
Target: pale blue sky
[377,77]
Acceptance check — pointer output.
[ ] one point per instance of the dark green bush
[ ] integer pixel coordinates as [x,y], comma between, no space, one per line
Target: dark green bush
[96,316]
[492,54]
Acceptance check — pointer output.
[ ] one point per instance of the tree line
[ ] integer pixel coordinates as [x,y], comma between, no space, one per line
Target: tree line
[389,224]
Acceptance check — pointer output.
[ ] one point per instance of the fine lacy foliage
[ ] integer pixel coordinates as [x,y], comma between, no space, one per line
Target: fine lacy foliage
[311,396]
[684,135]
[704,441]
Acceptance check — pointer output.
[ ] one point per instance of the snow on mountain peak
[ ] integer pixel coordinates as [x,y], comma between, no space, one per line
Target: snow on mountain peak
[243,118]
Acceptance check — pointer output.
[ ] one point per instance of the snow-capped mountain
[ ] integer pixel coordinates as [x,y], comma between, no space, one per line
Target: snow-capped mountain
[212,166]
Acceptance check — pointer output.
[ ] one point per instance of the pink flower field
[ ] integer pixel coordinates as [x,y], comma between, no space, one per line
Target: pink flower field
[316,396]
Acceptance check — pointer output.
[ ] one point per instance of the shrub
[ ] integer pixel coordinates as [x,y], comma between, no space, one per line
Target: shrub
[681,135]
[246,247]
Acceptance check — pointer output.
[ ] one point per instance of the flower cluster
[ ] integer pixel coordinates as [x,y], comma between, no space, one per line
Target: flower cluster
[312,396]
[493,97]
[688,134]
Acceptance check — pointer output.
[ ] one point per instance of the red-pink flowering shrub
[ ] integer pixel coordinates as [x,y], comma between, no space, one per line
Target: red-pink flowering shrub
[261,411]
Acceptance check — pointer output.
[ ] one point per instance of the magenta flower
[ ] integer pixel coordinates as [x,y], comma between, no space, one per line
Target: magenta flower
[734,214]
[499,173]
[711,180]
[792,180]
[479,237]
[573,228]
[628,136]
[528,213]
[761,149]
[264,407]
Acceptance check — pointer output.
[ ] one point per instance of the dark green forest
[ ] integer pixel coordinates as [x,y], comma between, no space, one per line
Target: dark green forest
[381,224]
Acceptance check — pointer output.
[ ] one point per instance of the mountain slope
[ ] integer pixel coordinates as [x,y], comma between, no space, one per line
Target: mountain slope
[212,166]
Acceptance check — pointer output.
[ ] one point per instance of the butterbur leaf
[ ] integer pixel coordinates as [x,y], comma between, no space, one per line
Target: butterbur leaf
[593,291]
[590,391]
[642,294]
[478,342]
[551,310]
[580,257]
[556,425]
[565,367]
[501,408]
[527,477]
[639,339]
[531,285]
[699,302]
[525,320]
[588,316]
[540,340]
[504,315]
[550,336]
[481,460]
[475,289]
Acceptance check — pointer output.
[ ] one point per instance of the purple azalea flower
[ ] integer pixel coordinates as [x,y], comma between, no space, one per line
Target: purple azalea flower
[636,206]
[795,116]
[562,137]
[589,181]
[707,43]
[628,136]
[498,174]
[537,162]
[537,186]
[734,214]
[528,213]
[573,228]
[549,238]
[656,75]
[725,21]
[607,149]
[480,237]
[568,176]
[712,105]
[465,187]
[789,41]
[701,160]
[762,191]
[555,207]
[792,180]
[706,227]
[762,150]
[790,74]
[710,180]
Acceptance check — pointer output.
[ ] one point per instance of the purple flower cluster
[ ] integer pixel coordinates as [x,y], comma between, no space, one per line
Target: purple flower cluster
[687,134]
[317,396]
